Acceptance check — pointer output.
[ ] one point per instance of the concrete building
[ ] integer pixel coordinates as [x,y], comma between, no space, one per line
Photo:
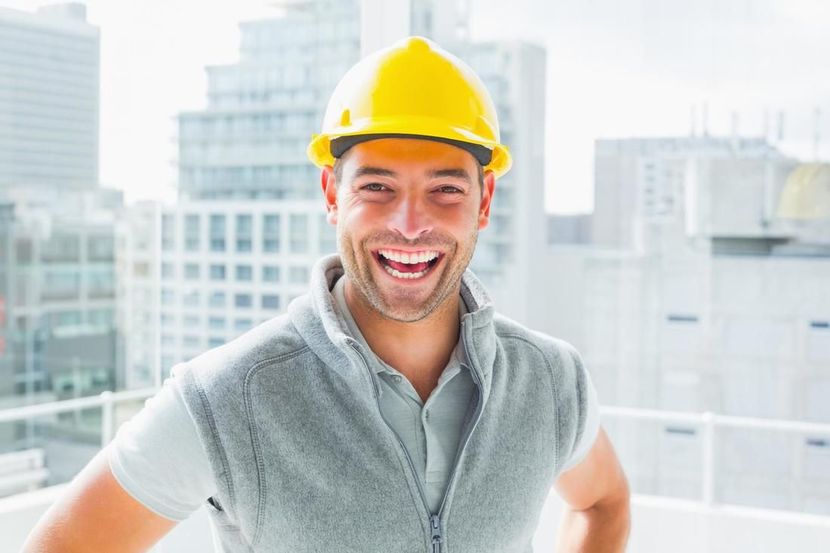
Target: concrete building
[59,289]
[48,98]
[249,143]
[137,268]
[58,335]
[699,298]
[507,250]
[227,266]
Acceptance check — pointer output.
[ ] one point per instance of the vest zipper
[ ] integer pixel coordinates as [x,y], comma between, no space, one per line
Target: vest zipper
[437,535]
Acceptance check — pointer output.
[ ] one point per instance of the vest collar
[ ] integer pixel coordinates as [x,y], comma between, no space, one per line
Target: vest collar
[315,317]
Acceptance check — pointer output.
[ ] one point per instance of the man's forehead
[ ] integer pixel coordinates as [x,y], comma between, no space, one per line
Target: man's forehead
[393,156]
[451,172]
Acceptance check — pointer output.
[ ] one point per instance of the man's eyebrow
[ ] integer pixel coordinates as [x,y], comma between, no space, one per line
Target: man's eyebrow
[457,173]
[376,171]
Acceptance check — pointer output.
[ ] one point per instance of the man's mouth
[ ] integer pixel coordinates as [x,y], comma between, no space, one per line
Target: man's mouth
[407,264]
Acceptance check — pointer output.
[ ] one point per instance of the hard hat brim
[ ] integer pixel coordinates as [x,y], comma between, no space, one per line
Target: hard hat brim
[320,148]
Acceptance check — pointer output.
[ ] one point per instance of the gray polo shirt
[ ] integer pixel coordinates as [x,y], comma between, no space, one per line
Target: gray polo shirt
[429,431]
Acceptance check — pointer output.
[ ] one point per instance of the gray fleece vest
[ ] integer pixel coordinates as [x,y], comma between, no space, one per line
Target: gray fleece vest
[305,462]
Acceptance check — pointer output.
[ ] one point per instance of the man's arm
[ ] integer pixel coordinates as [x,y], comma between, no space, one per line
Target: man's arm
[597,517]
[95,514]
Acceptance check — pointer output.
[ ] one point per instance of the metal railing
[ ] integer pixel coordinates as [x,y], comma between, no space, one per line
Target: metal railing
[105,400]
[709,423]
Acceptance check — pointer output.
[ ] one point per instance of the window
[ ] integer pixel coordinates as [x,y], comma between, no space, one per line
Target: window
[191,271]
[167,319]
[298,275]
[217,299]
[101,248]
[299,233]
[100,317]
[270,273]
[244,273]
[270,301]
[168,228]
[168,296]
[217,233]
[190,341]
[216,323]
[191,298]
[191,321]
[191,232]
[242,300]
[244,233]
[167,270]
[242,324]
[215,342]
[217,272]
[328,235]
[271,233]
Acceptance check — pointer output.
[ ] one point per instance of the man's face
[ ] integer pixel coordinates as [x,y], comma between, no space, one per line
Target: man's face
[408,212]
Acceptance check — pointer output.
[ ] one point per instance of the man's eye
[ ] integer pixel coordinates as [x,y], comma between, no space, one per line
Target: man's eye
[450,189]
[374,187]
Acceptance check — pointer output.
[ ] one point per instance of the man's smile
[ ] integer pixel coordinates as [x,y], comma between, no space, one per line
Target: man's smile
[407,264]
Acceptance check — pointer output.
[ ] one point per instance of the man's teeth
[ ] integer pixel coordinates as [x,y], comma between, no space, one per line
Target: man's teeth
[410,258]
[398,274]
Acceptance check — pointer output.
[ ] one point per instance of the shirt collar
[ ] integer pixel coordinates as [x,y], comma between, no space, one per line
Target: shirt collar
[455,363]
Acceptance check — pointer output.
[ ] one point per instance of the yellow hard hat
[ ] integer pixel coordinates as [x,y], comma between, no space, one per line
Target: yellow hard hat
[416,89]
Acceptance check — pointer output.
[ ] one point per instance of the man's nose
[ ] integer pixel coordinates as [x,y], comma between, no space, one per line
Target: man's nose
[409,218]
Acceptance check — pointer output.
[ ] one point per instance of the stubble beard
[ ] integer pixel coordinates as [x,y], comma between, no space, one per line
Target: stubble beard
[406,305]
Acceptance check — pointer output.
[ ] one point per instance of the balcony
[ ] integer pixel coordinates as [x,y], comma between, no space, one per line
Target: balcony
[659,523]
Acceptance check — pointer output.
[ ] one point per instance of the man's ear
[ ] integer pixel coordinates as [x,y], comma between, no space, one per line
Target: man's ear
[488,189]
[329,185]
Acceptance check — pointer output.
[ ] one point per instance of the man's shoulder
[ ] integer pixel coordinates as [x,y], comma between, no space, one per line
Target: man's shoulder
[269,342]
[550,346]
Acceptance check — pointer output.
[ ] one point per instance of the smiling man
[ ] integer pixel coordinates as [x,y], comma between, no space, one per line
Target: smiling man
[391,409]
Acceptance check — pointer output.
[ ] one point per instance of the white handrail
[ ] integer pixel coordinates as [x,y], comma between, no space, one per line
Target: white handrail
[709,423]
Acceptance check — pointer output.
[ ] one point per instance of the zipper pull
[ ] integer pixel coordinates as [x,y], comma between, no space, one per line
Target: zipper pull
[435,524]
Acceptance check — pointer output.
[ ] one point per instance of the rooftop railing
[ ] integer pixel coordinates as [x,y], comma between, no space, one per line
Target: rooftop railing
[709,423]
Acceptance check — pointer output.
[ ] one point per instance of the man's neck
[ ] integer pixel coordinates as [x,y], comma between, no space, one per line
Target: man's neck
[420,349]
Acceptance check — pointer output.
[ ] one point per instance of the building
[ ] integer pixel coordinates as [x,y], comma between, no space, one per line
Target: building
[227,266]
[507,250]
[58,336]
[137,268]
[698,297]
[48,98]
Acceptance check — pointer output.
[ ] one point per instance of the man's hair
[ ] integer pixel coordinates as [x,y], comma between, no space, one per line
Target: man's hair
[338,173]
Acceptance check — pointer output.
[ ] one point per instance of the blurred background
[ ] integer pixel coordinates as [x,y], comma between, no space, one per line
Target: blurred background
[668,213]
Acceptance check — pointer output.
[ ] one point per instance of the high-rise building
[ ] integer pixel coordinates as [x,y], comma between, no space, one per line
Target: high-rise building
[48,99]
[59,289]
[508,249]
[58,303]
[698,297]
[227,266]
[250,141]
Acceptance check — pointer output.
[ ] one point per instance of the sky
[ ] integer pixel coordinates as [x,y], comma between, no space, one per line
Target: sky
[615,69]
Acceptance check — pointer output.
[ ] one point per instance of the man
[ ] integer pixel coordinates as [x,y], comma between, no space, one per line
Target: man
[391,409]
